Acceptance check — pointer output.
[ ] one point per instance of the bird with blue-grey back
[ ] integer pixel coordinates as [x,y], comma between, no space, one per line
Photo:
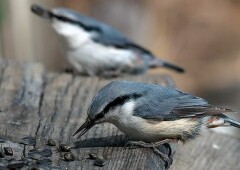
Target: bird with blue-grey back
[96,49]
[151,114]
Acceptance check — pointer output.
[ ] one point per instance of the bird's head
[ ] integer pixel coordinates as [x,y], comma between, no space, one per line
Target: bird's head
[76,28]
[110,104]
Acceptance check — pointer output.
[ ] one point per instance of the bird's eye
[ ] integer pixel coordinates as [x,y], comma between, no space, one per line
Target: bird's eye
[99,116]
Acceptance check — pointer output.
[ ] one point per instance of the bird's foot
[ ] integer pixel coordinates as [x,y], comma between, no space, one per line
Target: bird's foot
[154,146]
[148,145]
[163,156]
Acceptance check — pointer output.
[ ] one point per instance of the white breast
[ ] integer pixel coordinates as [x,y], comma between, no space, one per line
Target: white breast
[96,56]
[142,129]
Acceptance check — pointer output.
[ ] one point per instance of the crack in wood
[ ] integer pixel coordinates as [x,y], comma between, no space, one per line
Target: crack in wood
[39,109]
[3,66]
[70,112]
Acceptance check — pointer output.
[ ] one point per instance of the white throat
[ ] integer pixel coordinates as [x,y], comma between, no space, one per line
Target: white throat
[121,113]
[73,34]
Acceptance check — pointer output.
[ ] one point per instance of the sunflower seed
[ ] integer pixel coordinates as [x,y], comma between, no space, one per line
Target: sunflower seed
[29,140]
[69,157]
[8,151]
[51,142]
[64,148]
[99,162]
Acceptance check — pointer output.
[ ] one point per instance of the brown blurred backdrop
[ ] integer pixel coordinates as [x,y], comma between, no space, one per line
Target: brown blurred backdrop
[202,36]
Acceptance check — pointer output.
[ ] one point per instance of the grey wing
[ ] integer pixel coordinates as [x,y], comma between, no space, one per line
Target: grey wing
[110,37]
[173,106]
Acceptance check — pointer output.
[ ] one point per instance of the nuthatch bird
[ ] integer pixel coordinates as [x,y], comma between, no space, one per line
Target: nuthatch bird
[94,48]
[153,113]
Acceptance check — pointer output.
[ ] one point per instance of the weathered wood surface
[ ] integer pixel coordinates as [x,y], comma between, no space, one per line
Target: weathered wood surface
[210,152]
[46,105]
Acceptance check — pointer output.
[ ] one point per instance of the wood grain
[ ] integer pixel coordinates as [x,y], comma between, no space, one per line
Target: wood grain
[50,105]
[212,151]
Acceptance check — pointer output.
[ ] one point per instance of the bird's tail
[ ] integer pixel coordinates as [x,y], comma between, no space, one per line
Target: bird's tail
[160,63]
[223,120]
[232,122]
[40,11]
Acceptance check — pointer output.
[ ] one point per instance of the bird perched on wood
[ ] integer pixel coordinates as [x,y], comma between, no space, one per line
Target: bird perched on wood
[94,48]
[152,114]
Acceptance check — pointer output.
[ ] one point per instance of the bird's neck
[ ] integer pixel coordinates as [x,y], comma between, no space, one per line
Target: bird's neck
[74,35]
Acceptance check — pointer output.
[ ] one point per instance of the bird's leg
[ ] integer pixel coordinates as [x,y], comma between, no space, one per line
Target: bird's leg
[148,145]
[154,146]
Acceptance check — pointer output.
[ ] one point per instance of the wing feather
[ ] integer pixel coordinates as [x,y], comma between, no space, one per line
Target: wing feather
[169,104]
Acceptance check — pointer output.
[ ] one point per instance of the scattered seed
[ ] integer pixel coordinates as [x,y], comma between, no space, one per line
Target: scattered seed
[64,148]
[8,151]
[35,154]
[46,152]
[44,161]
[34,166]
[29,140]
[51,142]
[92,156]
[39,153]
[2,155]
[2,140]
[69,157]
[99,162]
[15,164]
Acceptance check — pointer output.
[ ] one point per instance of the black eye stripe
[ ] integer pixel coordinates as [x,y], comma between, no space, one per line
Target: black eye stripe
[117,102]
[99,116]
[120,101]
[65,19]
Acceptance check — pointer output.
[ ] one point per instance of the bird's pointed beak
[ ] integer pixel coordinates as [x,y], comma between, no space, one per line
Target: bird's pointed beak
[84,128]
[40,11]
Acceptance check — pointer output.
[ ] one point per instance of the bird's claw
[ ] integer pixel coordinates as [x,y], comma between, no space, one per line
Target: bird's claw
[153,146]
[163,156]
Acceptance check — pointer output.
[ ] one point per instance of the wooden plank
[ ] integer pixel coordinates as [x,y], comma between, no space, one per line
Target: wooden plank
[53,106]
[20,95]
[33,103]
[211,151]
[20,92]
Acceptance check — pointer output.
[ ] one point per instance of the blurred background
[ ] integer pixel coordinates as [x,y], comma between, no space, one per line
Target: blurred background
[202,36]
